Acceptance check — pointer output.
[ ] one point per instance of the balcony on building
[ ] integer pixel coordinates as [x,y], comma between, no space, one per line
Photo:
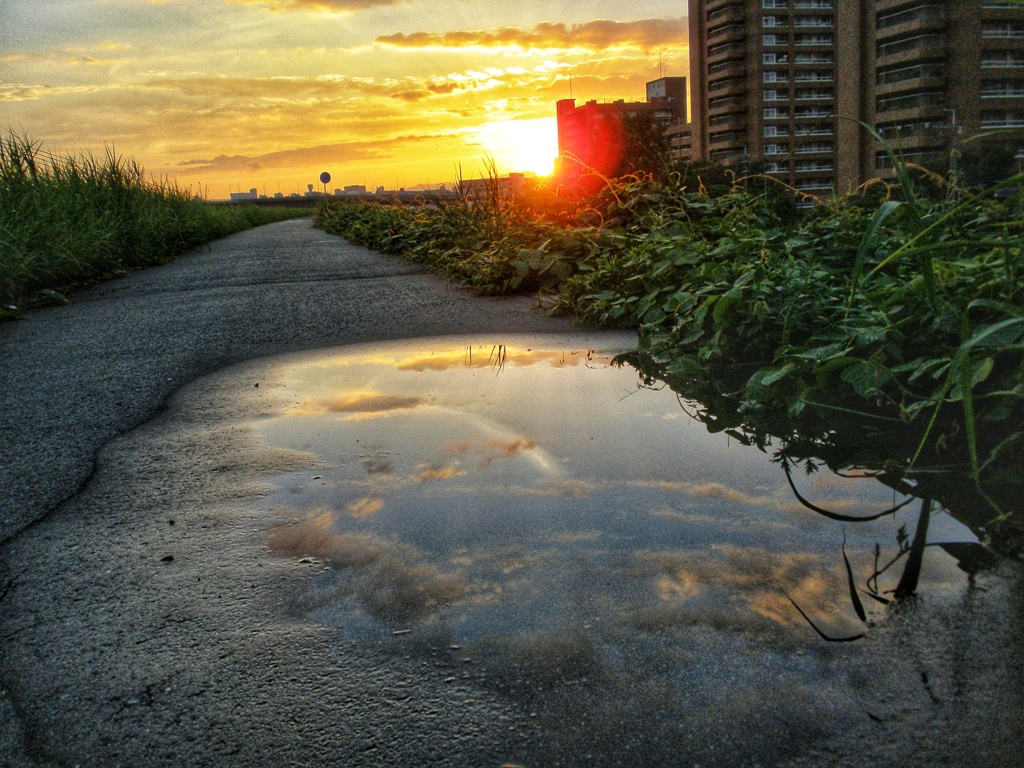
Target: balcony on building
[721,139]
[914,47]
[723,103]
[727,154]
[918,76]
[730,119]
[818,130]
[813,40]
[733,86]
[806,147]
[730,13]
[812,113]
[1003,59]
[775,76]
[728,67]
[1002,29]
[812,22]
[814,185]
[714,5]
[813,94]
[813,76]
[910,21]
[920,155]
[809,167]
[724,51]
[994,119]
[813,58]
[727,31]
[998,91]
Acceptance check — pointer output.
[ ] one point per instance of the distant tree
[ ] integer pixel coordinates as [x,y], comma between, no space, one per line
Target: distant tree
[645,150]
[987,161]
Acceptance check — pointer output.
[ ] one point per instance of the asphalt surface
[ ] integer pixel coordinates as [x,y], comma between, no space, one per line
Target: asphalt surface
[144,622]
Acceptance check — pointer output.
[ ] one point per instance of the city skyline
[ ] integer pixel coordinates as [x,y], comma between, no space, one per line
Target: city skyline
[236,94]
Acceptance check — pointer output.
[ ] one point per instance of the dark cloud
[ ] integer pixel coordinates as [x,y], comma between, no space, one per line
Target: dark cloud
[598,34]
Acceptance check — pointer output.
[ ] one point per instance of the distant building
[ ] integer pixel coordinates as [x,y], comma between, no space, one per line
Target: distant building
[514,183]
[239,197]
[590,136]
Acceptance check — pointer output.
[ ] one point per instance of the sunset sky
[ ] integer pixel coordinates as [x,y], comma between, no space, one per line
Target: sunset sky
[225,95]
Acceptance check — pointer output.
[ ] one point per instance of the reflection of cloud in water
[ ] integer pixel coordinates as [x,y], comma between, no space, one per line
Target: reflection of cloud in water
[491,449]
[715,490]
[365,507]
[358,404]
[443,473]
[756,579]
[387,579]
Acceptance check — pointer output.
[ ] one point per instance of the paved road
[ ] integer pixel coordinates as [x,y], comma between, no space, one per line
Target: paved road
[73,378]
[144,623]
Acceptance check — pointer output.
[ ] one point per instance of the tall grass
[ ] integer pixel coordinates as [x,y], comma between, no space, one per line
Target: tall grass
[66,220]
[898,305]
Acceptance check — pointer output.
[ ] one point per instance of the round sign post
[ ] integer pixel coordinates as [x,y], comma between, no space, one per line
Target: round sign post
[325,179]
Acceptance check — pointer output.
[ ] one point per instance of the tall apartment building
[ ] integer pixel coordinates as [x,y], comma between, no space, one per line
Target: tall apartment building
[785,82]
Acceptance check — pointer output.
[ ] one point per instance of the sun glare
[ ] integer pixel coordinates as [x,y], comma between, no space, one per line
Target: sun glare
[521,146]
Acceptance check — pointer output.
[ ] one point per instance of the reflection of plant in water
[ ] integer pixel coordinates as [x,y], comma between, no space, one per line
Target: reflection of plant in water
[870,445]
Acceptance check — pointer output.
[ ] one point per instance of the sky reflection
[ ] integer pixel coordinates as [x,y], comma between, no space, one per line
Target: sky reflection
[524,490]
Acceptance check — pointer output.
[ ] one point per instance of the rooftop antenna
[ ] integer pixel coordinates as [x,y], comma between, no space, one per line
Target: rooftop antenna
[661,65]
[570,85]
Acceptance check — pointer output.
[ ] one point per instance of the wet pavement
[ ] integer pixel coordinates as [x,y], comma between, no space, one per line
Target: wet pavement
[216,557]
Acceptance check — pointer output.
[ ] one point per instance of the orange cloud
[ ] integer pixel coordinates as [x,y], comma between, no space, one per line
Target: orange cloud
[440,474]
[491,449]
[365,507]
[596,35]
[335,6]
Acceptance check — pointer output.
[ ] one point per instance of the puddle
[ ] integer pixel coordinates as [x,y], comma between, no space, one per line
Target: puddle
[524,516]
[517,490]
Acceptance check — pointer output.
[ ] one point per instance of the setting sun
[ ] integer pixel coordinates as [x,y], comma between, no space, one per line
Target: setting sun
[529,146]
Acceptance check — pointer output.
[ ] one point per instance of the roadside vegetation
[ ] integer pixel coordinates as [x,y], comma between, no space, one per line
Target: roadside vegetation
[901,307]
[67,221]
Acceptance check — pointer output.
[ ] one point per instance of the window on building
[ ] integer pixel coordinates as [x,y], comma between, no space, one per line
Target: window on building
[998,89]
[991,59]
[823,22]
[912,43]
[912,100]
[997,29]
[820,57]
[813,94]
[808,39]
[899,74]
[1011,118]
[916,13]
